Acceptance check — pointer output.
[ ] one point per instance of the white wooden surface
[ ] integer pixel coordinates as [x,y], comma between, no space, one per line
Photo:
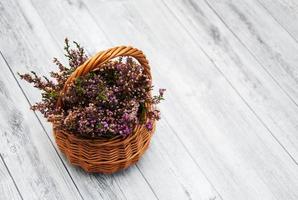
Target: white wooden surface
[229,127]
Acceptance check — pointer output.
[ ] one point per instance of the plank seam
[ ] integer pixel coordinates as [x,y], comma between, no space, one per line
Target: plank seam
[147,182]
[261,4]
[109,41]
[8,171]
[226,25]
[250,108]
[249,51]
[56,44]
[23,92]
[193,159]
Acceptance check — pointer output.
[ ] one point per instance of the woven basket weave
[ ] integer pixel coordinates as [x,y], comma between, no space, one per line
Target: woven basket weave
[105,155]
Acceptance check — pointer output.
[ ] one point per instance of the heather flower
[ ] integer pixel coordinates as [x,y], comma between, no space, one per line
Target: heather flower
[107,102]
[161,92]
[149,125]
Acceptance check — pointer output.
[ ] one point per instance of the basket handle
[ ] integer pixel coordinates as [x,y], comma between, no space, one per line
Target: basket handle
[100,58]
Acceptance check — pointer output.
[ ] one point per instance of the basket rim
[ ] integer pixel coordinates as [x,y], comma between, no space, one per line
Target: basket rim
[104,141]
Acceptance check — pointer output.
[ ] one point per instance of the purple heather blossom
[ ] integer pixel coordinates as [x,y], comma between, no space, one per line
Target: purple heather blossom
[105,124]
[149,125]
[103,103]
[161,91]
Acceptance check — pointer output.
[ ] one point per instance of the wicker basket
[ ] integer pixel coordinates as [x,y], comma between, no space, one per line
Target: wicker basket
[105,155]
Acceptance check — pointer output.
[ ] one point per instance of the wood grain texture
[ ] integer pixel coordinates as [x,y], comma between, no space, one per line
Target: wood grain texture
[8,189]
[165,181]
[206,97]
[285,13]
[211,114]
[26,150]
[265,38]
[263,95]
[277,53]
[229,124]
[90,186]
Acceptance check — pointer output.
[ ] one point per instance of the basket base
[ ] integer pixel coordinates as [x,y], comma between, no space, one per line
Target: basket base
[104,156]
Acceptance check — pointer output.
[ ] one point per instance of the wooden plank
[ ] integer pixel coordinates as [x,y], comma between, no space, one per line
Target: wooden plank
[265,38]
[277,53]
[27,152]
[285,12]
[168,180]
[234,149]
[8,189]
[246,75]
[26,35]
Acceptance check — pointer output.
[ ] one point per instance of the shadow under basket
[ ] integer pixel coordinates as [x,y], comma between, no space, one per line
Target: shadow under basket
[105,155]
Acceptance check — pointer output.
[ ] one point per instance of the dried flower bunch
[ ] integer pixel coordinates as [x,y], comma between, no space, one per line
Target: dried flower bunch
[104,103]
